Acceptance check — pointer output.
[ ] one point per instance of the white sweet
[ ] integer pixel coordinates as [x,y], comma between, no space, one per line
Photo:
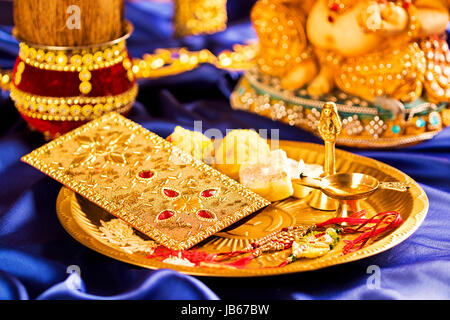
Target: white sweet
[270,176]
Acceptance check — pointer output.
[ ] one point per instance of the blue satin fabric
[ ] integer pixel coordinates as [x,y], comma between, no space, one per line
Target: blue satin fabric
[36,253]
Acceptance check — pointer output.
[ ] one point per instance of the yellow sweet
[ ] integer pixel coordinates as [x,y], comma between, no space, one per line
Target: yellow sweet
[238,147]
[194,143]
[269,177]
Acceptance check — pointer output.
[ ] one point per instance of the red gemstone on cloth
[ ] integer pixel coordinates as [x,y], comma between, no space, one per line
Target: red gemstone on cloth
[170,193]
[334,7]
[146,174]
[209,193]
[205,214]
[165,215]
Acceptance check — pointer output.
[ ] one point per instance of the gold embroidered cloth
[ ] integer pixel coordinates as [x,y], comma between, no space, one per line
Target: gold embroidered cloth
[146,181]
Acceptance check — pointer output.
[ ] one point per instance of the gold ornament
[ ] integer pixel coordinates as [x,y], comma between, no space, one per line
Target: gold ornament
[446,117]
[363,124]
[71,59]
[281,31]
[166,62]
[437,74]
[69,109]
[193,17]
[18,75]
[85,87]
[5,79]
[395,73]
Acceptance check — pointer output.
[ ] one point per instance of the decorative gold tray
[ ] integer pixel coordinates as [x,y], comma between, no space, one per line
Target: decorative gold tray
[82,219]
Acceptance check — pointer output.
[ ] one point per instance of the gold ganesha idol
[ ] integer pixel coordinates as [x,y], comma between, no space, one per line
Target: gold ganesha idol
[386,64]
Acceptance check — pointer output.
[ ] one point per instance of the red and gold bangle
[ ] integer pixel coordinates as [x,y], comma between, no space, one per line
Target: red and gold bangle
[71,71]
[73,83]
[68,80]
[56,88]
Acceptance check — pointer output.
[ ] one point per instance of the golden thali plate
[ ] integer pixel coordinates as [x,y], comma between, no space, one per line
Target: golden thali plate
[82,219]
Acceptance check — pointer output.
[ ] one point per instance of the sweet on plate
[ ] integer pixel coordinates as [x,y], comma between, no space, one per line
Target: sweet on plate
[238,147]
[268,177]
[246,157]
[194,143]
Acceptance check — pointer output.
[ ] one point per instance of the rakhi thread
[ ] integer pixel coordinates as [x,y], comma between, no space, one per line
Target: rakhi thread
[283,239]
[370,228]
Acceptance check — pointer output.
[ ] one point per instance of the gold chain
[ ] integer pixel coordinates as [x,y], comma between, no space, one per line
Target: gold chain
[167,62]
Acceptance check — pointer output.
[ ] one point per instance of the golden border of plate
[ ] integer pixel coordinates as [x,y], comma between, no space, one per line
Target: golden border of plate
[412,205]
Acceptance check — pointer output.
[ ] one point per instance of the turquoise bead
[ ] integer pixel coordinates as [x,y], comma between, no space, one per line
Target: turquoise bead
[420,123]
[241,91]
[396,129]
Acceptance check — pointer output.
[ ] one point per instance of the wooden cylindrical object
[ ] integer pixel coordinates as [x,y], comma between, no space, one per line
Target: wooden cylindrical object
[68,22]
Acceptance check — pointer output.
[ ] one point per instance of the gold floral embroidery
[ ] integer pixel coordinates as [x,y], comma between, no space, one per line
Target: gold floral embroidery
[111,147]
[187,204]
[101,160]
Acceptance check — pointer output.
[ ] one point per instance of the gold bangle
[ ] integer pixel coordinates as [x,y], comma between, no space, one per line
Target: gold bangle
[75,58]
[74,61]
[71,108]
